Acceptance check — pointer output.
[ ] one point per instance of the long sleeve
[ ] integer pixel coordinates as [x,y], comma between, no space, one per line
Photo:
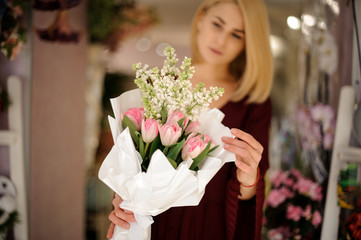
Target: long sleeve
[244,218]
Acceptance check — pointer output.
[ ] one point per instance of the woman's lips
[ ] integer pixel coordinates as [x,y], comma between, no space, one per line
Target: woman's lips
[215,51]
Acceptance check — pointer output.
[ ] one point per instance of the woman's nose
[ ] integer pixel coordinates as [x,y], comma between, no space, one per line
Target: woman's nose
[222,39]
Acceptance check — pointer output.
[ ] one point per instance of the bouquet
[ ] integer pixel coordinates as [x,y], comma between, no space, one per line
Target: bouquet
[293,207]
[166,143]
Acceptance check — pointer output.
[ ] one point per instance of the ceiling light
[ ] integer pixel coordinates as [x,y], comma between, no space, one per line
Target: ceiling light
[293,22]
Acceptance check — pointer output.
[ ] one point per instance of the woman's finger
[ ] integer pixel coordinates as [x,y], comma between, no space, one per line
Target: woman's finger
[247,138]
[127,216]
[118,221]
[242,155]
[110,230]
[244,167]
[242,145]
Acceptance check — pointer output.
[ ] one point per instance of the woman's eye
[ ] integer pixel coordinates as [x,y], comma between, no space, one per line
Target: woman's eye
[217,25]
[236,36]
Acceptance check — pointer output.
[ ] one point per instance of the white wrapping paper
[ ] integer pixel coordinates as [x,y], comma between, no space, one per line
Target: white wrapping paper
[161,187]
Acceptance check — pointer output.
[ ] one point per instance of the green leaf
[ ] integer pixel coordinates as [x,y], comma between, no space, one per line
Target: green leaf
[200,157]
[141,145]
[132,129]
[173,153]
[145,165]
[174,164]
[163,113]
[156,144]
[212,149]
[180,123]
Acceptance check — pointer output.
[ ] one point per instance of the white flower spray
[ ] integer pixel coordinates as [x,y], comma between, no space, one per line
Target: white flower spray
[170,89]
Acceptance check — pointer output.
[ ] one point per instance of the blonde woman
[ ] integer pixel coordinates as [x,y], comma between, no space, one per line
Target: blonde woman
[230,49]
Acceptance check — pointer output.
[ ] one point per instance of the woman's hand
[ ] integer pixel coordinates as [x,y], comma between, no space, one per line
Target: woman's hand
[248,153]
[119,216]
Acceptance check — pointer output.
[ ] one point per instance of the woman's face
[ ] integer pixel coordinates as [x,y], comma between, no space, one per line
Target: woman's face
[221,36]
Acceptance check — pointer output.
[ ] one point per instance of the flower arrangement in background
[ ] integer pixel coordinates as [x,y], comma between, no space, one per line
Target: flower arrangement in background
[349,200]
[12,31]
[111,21]
[9,215]
[60,30]
[166,143]
[293,207]
[315,127]
[353,223]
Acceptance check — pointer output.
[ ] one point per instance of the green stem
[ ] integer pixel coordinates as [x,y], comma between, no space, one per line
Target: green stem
[146,149]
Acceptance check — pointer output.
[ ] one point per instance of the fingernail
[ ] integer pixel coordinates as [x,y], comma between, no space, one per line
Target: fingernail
[225,145]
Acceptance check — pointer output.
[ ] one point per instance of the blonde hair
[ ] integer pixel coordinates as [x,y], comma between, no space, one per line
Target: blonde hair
[254,66]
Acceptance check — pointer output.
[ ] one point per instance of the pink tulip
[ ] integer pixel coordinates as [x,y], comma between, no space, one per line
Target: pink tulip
[193,127]
[169,133]
[149,130]
[175,116]
[195,145]
[135,115]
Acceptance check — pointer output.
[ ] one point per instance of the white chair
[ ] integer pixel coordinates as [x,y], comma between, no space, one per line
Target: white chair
[341,154]
[14,139]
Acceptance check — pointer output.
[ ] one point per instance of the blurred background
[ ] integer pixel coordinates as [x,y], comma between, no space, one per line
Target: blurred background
[65,59]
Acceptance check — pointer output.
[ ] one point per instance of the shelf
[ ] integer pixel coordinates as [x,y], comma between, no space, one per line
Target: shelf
[7,137]
[349,154]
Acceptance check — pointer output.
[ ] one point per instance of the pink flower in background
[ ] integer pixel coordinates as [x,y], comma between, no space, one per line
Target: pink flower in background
[149,130]
[193,127]
[295,202]
[316,219]
[169,133]
[194,145]
[315,192]
[294,212]
[275,234]
[275,198]
[286,192]
[277,177]
[175,117]
[296,173]
[328,140]
[307,212]
[288,182]
[322,113]
[304,185]
[136,115]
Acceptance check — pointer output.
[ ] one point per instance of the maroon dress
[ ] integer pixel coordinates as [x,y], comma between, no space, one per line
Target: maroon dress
[220,215]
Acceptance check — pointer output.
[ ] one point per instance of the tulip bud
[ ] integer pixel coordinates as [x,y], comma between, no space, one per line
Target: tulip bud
[194,145]
[149,130]
[169,133]
[136,115]
[175,116]
[193,127]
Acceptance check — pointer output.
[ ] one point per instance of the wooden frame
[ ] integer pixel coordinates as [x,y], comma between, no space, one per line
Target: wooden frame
[14,139]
